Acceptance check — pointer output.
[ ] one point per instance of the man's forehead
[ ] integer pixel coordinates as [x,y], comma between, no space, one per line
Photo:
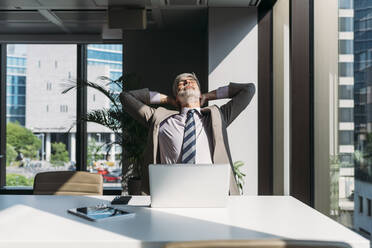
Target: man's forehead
[187,77]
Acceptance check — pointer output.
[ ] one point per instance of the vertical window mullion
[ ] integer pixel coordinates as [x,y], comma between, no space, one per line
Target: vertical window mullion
[2,114]
[81,109]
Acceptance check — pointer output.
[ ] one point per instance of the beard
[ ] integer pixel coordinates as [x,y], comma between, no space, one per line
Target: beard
[188,96]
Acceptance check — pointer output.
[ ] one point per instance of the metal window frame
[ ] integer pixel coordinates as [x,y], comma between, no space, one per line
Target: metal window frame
[2,114]
[81,109]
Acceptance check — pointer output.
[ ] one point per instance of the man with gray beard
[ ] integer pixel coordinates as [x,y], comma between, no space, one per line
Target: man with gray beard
[192,134]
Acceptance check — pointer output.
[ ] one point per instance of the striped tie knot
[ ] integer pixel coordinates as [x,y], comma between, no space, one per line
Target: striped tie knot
[190,113]
[189,139]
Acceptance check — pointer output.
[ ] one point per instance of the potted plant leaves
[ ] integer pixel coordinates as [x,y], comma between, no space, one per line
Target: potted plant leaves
[130,135]
[239,175]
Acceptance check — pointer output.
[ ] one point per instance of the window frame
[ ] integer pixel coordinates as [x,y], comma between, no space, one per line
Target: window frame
[81,108]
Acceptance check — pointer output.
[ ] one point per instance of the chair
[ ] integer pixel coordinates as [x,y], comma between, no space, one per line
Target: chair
[68,183]
[262,243]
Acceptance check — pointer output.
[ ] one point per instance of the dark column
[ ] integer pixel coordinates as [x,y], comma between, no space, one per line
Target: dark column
[2,114]
[301,90]
[265,98]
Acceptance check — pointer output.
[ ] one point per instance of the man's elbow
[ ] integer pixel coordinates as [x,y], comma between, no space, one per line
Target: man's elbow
[248,93]
[124,98]
[249,90]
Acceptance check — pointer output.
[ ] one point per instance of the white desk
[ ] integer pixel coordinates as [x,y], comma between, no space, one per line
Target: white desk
[43,222]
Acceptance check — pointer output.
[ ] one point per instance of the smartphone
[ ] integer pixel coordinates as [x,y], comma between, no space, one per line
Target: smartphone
[99,213]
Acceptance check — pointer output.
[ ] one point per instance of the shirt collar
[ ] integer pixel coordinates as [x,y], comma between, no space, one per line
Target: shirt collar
[184,110]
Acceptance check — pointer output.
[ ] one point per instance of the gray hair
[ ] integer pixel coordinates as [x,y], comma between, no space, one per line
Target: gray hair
[178,79]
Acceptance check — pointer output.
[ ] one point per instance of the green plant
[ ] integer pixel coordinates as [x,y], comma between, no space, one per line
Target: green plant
[239,175]
[93,152]
[22,140]
[59,154]
[18,180]
[131,136]
[11,154]
[334,170]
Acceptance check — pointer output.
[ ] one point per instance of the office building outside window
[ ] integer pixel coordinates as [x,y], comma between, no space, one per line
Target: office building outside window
[41,120]
[363,114]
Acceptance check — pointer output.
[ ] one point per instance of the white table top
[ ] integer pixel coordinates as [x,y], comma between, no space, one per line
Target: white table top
[42,221]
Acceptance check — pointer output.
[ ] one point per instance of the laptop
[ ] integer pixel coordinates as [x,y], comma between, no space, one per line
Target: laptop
[189,185]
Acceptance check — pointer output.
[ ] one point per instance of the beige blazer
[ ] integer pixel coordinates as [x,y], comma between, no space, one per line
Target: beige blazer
[136,103]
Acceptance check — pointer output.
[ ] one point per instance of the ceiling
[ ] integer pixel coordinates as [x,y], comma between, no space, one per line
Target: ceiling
[25,17]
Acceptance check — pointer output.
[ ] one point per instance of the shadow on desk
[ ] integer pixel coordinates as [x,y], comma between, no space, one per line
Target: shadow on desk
[154,227]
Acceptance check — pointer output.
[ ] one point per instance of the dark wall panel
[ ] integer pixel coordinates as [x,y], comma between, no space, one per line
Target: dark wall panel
[301,101]
[159,56]
[265,101]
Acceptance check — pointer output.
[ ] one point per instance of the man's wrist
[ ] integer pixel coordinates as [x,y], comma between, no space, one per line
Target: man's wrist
[155,97]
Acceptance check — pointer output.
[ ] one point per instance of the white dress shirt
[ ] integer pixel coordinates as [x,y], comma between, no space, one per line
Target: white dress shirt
[172,129]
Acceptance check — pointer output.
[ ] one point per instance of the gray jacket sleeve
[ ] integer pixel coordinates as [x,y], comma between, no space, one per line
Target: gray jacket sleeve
[135,103]
[241,95]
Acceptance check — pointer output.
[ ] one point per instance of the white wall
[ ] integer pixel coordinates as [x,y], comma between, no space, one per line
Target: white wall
[232,57]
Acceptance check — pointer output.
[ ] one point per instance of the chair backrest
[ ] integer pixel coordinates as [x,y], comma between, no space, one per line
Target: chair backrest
[68,183]
[262,243]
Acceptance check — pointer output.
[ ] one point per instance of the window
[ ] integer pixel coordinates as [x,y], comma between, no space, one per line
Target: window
[346,4]
[34,143]
[369,207]
[346,92]
[360,204]
[346,69]
[346,115]
[346,46]
[63,108]
[346,137]
[49,86]
[346,159]
[346,24]
[51,142]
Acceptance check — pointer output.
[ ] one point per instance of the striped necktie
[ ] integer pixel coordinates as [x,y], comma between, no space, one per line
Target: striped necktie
[189,139]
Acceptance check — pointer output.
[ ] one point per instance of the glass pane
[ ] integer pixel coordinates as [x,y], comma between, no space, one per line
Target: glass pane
[346,4]
[351,168]
[346,69]
[346,24]
[346,115]
[346,137]
[38,115]
[346,47]
[346,92]
[104,155]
